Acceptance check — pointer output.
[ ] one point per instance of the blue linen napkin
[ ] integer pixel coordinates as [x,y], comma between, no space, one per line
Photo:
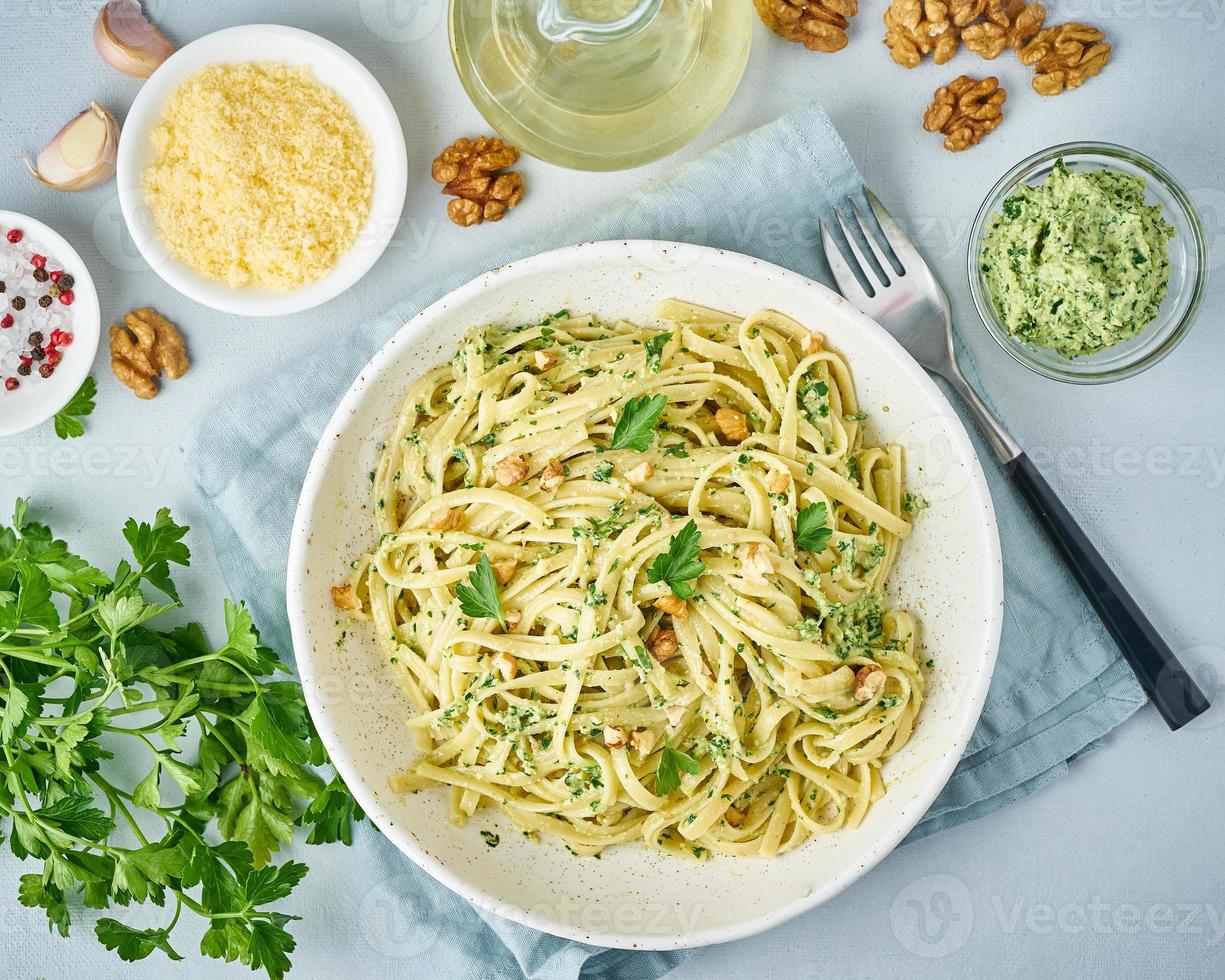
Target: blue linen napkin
[1059,684]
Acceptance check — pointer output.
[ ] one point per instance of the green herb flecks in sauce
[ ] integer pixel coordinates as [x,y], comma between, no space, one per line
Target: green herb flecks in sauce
[1080,262]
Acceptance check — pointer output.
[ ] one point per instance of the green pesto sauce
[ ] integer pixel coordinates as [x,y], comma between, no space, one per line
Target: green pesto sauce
[1080,262]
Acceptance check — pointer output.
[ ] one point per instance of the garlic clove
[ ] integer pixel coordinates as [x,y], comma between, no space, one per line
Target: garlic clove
[128,41]
[82,154]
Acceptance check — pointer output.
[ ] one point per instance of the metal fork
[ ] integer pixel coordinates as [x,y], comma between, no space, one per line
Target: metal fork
[880,271]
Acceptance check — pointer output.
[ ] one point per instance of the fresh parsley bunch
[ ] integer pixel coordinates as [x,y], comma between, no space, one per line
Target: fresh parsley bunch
[89,688]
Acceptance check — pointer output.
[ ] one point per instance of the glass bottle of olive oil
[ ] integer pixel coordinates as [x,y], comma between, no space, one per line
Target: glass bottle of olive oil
[600,84]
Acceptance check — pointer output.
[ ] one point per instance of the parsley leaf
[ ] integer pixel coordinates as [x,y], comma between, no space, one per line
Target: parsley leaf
[679,565]
[668,773]
[480,598]
[68,419]
[654,347]
[811,531]
[637,423]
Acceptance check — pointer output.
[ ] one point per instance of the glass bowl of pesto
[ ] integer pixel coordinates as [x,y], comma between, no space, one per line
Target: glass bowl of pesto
[1088,262]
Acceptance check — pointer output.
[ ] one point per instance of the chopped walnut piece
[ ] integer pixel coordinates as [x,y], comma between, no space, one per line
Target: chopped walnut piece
[444,519]
[640,473]
[511,471]
[815,343]
[779,483]
[552,476]
[1009,24]
[145,346]
[504,570]
[513,618]
[869,682]
[662,645]
[914,28]
[643,740]
[1065,56]
[504,663]
[675,714]
[819,25]
[965,111]
[733,424]
[468,169]
[544,360]
[672,606]
[345,598]
[733,817]
[615,738]
[755,563]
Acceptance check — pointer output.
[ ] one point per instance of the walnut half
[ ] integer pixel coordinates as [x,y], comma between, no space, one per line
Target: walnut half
[143,348]
[965,111]
[819,25]
[1065,56]
[468,169]
[914,28]
[1009,24]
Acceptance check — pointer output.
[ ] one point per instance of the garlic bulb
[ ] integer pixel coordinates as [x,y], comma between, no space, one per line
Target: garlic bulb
[127,40]
[82,154]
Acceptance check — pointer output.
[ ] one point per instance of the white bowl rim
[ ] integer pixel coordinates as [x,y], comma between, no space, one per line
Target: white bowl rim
[296,599]
[143,115]
[80,361]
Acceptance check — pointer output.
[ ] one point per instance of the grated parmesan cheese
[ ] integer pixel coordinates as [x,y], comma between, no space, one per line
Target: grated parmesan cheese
[262,176]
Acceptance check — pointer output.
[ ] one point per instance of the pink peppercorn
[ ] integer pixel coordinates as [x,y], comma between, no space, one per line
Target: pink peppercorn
[11,383]
[38,261]
[6,321]
[67,296]
[14,237]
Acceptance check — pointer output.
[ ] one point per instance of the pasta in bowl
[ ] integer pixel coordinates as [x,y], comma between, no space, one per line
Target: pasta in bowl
[939,569]
[631,581]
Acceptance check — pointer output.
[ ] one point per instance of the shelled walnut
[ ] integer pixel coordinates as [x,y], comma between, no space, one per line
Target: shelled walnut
[468,170]
[1008,24]
[819,25]
[1065,56]
[146,345]
[965,111]
[914,28]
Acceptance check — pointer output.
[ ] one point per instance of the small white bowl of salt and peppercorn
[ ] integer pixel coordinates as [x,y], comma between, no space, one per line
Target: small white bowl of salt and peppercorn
[50,323]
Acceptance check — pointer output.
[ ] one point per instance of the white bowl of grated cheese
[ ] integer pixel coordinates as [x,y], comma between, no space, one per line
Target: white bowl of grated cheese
[331,67]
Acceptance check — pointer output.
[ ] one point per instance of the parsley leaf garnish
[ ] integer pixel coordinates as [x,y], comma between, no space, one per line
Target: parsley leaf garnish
[679,565]
[480,597]
[654,347]
[668,773]
[637,423]
[103,680]
[811,531]
[68,419]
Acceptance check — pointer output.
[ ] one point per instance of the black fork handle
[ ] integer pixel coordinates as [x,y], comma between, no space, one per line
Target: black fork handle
[1164,679]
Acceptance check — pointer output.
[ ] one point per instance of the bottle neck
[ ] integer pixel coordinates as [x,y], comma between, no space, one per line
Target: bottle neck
[558,21]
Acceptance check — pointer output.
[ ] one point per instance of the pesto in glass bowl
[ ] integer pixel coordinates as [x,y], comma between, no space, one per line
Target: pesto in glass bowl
[1087,262]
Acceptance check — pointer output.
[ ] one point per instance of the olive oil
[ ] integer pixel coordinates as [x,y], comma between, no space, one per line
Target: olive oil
[600,84]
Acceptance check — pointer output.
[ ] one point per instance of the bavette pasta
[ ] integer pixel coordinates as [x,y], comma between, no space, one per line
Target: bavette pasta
[632,583]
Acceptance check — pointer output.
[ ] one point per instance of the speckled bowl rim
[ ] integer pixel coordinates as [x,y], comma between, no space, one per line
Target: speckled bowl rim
[415,334]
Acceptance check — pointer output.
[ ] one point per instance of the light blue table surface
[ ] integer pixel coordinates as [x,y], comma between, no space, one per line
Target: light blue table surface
[1116,870]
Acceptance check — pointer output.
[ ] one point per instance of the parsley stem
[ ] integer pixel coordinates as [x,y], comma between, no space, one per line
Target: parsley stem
[113,796]
[22,653]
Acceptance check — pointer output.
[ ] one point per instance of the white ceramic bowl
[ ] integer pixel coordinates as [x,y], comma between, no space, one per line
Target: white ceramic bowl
[39,398]
[634,897]
[332,66]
